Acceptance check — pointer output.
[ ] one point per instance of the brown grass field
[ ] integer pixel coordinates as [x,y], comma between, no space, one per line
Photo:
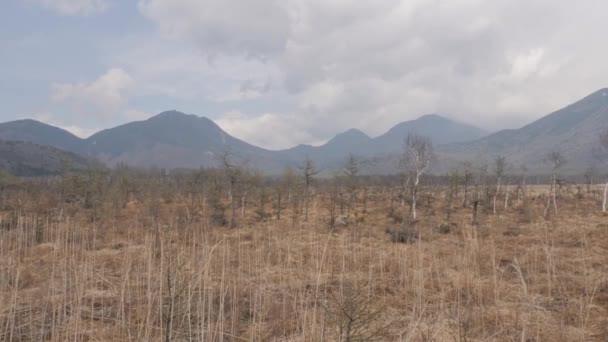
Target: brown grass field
[164,272]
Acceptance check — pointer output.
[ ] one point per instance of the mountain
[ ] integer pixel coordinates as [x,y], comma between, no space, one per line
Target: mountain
[440,129]
[172,140]
[41,134]
[28,159]
[573,131]
[177,140]
[332,154]
[334,151]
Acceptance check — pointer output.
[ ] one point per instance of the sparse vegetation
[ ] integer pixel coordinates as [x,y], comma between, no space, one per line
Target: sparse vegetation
[147,256]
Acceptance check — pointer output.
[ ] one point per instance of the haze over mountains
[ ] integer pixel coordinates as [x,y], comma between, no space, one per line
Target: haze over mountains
[176,140]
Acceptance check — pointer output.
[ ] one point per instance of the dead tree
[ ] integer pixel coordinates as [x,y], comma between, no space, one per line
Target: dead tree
[604,148]
[454,179]
[233,175]
[555,160]
[308,171]
[500,165]
[351,172]
[589,177]
[467,175]
[416,160]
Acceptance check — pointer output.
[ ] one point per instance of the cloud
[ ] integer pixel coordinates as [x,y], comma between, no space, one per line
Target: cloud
[278,130]
[254,28]
[100,98]
[80,132]
[74,7]
[86,107]
[342,64]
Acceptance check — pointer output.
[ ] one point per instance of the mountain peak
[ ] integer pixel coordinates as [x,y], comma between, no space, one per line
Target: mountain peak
[599,96]
[172,114]
[432,116]
[351,137]
[602,92]
[353,132]
[29,130]
[439,128]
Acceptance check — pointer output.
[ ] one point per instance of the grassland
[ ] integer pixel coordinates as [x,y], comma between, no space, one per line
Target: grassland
[158,269]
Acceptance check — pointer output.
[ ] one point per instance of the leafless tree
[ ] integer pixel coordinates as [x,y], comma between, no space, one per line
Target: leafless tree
[308,171]
[556,161]
[467,175]
[521,192]
[500,166]
[233,174]
[604,148]
[589,175]
[416,160]
[454,179]
[351,172]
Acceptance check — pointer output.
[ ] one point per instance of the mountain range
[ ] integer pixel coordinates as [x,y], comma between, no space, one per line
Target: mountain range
[176,140]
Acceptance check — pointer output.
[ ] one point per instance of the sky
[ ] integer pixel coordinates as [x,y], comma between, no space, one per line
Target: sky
[277,73]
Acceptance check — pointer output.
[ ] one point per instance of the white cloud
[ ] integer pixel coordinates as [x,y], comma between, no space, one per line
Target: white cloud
[256,28]
[272,131]
[101,98]
[74,7]
[370,65]
[86,107]
[526,64]
[80,132]
[136,115]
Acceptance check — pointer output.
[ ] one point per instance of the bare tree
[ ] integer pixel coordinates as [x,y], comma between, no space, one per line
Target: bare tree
[556,161]
[233,174]
[589,175]
[308,171]
[454,179]
[500,166]
[416,160]
[467,175]
[351,172]
[604,147]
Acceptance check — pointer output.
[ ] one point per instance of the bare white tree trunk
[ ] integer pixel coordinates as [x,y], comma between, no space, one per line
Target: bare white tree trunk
[496,196]
[552,197]
[415,195]
[605,198]
[506,197]
[243,199]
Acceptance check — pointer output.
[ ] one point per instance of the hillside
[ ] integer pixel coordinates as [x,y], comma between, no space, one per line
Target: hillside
[440,129]
[42,134]
[172,140]
[573,131]
[28,159]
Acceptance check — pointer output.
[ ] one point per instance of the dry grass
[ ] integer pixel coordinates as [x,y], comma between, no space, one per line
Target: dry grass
[129,278]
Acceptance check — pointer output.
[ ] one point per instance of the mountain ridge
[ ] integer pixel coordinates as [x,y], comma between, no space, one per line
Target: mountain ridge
[172,139]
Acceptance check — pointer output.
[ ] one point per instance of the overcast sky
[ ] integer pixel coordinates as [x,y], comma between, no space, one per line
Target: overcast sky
[282,72]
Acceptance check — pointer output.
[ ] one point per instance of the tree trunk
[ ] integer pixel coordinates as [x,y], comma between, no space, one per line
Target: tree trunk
[466,193]
[496,196]
[279,206]
[605,198]
[475,206]
[415,196]
[243,201]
